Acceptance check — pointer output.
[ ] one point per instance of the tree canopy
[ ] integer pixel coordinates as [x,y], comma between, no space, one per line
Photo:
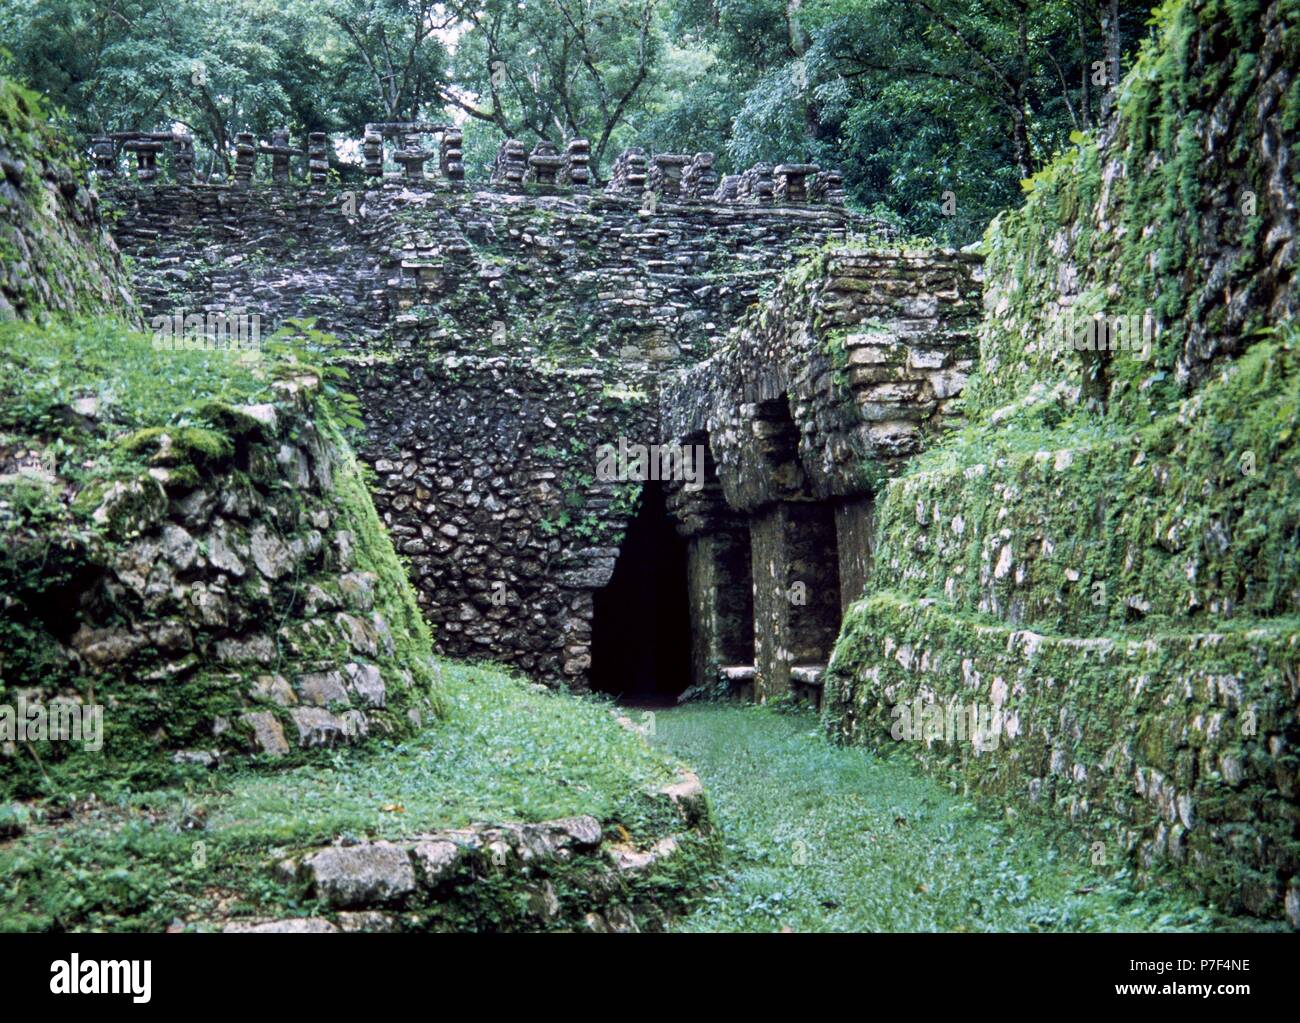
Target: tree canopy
[934,110]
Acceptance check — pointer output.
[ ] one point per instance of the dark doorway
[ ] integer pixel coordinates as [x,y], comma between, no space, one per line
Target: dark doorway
[641,632]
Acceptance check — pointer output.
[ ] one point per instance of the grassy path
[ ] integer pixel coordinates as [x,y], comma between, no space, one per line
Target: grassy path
[821,838]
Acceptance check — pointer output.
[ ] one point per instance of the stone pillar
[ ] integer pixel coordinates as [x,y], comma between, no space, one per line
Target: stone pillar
[854,536]
[755,185]
[728,189]
[576,170]
[245,159]
[665,176]
[699,179]
[544,163]
[796,591]
[451,158]
[628,175]
[577,640]
[318,162]
[104,156]
[412,158]
[372,153]
[721,595]
[511,163]
[146,157]
[280,153]
[828,187]
[791,182]
[183,159]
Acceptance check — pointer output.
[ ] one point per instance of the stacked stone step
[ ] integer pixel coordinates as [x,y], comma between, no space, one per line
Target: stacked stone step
[544,164]
[828,187]
[755,185]
[576,170]
[318,163]
[245,159]
[451,155]
[699,179]
[511,163]
[665,175]
[628,175]
[791,182]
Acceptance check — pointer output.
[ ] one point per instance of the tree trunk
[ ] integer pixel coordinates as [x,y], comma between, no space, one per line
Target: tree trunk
[1086,103]
[1020,139]
[1111,41]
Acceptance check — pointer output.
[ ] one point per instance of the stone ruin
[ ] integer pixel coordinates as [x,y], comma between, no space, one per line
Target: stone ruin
[105,151]
[676,177]
[790,182]
[699,179]
[575,171]
[511,164]
[407,139]
[828,187]
[493,279]
[665,175]
[756,184]
[628,175]
[801,411]
[409,151]
[728,189]
[543,164]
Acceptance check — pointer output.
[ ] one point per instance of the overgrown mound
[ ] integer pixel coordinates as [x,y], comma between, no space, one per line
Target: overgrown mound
[1179,221]
[1104,562]
[190,553]
[190,564]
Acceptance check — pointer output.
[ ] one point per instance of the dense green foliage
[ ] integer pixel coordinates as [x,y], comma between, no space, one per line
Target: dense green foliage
[933,111]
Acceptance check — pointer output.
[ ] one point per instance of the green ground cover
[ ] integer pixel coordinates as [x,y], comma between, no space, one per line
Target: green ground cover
[126,859]
[825,838]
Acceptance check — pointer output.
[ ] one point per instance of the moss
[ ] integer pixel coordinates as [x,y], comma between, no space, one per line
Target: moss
[395,597]
[234,422]
[70,268]
[1108,545]
[1089,727]
[178,445]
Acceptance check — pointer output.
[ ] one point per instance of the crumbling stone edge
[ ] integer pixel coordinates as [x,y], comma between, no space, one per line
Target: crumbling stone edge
[569,874]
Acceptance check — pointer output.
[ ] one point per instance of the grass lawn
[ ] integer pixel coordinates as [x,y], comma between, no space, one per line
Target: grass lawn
[824,838]
[505,752]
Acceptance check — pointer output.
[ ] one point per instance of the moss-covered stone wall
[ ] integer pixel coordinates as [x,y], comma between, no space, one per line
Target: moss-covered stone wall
[212,577]
[1104,558]
[190,563]
[55,257]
